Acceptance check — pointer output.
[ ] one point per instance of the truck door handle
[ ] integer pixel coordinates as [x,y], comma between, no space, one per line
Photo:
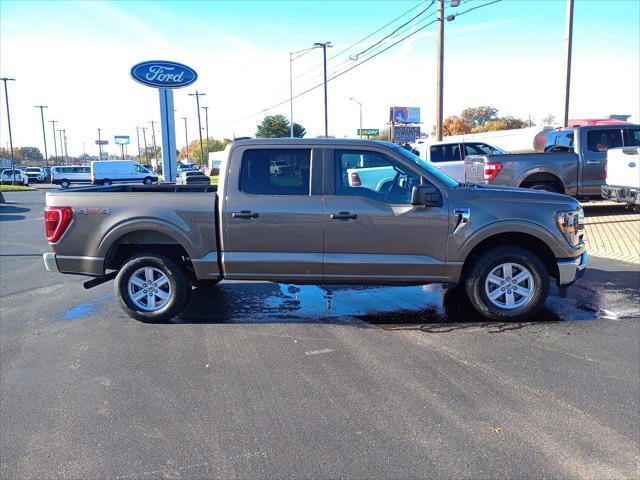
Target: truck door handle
[343,216]
[244,214]
[593,162]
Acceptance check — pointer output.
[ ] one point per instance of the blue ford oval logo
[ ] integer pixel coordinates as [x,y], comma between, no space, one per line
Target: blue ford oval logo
[632,164]
[163,74]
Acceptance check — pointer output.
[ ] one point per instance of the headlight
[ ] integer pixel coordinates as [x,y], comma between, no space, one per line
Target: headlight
[571,224]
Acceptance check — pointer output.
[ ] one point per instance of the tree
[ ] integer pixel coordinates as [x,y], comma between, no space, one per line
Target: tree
[455,126]
[549,119]
[278,126]
[501,123]
[31,154]
[194,154]
[478,116]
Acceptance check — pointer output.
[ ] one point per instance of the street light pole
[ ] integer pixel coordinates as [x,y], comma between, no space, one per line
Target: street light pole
[324,46]
[568,66]
[198,95]
[55,143]
[66,152]
[186,139]
[6,97]
[360,105]
[291,93]
[146,150]
[44,135]
[61,145]
[440,68]
[153,137]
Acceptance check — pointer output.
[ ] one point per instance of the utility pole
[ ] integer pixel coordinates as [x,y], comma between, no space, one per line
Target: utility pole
[146,150]
[324,47]
[153,137]
[44,135]
[6,97]
[198,95]
[360,105]
[55,143]
[138,138]
[66,152]
[440,67]
[186,139]
[291,93]
[99,145]
[569,48]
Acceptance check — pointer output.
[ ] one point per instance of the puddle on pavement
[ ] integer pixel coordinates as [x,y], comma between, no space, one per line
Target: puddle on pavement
[82,310]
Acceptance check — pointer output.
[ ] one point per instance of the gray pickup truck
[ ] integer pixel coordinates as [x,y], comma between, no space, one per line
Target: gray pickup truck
[573,161]
[310,225]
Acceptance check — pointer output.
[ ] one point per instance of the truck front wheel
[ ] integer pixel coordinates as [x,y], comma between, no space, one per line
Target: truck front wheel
[509,283]
[152,288]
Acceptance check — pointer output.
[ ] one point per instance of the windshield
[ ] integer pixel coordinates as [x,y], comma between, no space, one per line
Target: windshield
[445,179]
[33,169]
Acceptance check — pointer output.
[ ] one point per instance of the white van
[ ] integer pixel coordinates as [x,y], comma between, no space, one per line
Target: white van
[68,174]
[120,171]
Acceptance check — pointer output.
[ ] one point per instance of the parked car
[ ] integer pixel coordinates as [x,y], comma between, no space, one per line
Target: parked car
[36,174]
[280,167]
[574,162]
[193,177]
[106,172]
[69,174]
[186,167]
[7,176]
[623,176]
[502,244]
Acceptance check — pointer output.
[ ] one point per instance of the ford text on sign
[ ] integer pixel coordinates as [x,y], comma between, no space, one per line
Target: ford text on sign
[163,74]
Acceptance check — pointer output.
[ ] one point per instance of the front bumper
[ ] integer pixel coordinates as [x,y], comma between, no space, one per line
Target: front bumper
[570,271]
[621,194]
[50,262]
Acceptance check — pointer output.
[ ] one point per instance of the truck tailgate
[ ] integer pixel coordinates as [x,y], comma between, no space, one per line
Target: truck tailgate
[474,168]
[623,167]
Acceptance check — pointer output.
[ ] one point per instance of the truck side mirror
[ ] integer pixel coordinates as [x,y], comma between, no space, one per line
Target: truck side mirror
[426,196]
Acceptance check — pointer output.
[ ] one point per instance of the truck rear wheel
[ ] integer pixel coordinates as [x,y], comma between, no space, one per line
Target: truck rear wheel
[508,283]
[152,288]
[65,183]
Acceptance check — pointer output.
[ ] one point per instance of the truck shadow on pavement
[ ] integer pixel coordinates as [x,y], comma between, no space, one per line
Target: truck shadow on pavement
[8,211]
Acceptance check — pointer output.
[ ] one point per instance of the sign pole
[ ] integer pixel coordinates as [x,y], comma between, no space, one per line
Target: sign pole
[168,135]
[122,150]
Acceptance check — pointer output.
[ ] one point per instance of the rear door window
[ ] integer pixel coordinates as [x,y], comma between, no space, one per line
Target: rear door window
[479,149]
[632,137]
[445,153]
[276,171]
[603,140]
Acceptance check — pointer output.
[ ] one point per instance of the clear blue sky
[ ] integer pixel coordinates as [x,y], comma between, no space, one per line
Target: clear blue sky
[75,57]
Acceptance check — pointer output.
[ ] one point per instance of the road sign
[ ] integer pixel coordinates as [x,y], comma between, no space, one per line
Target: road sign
[102,142]
[121,140]
[402,134]
[369,131]
[405,114]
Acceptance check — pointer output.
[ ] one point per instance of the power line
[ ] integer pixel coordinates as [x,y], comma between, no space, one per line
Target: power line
[371,57]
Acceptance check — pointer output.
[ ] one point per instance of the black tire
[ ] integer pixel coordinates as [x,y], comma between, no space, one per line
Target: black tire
[106,181]
[148,181]
[65,183]
[477,275]
[180,287]
[546,186]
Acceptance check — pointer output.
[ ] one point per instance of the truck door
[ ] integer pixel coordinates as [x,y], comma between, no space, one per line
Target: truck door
[272,217]
[372,233]
[593,157]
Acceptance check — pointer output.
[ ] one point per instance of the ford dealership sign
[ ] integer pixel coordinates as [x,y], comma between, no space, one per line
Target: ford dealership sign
[163,74]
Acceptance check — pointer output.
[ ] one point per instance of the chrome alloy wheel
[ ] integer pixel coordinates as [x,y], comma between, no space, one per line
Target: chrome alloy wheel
[509,286]
[149,289]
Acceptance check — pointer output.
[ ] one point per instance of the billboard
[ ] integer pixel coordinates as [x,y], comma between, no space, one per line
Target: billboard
[402,134]
[121,140]
[405,114]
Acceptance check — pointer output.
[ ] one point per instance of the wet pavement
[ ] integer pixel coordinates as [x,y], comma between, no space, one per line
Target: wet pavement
[281,381]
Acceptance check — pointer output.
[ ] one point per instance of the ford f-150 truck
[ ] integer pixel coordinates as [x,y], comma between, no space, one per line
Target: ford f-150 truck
[573,162]
[311,226]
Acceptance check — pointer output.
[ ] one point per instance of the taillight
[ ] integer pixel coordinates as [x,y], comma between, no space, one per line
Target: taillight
[354,179]
[491,170]
[56,221]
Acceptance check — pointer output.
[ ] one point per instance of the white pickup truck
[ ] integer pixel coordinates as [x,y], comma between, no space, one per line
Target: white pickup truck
[623,176]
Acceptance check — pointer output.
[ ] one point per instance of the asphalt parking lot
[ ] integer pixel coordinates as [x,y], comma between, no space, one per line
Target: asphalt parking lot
[281,381]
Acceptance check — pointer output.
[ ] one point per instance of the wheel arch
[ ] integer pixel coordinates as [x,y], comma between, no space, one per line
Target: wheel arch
[542,176]
[519,239]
